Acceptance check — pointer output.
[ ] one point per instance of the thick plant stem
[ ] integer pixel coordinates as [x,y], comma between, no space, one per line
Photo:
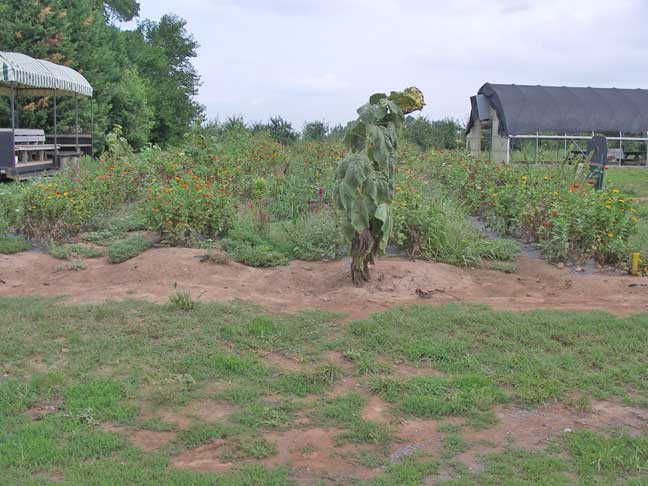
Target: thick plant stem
[363,250]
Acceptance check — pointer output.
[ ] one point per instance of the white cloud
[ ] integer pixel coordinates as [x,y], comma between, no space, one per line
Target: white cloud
[321,59]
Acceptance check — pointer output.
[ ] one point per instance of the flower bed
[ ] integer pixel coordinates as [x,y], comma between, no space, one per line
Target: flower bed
[553,207]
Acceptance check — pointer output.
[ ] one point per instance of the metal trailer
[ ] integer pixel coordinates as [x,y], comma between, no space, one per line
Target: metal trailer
[25,152]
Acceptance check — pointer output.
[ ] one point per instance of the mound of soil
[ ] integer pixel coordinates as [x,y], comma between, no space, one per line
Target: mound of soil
[325,285]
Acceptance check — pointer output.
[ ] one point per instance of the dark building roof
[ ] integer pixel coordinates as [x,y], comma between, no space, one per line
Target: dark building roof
[530,109]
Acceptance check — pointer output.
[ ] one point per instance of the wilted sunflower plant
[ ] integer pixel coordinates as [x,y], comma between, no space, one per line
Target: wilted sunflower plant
[364,185]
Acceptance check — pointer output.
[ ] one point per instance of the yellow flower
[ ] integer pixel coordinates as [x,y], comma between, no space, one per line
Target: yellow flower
[608,206]
[633,210]
[634,220]
[546,178]
[523,178]
[621,201]
[494,194]
[555,193]
[398,189]
[610,235]
[615,191]
[65,194]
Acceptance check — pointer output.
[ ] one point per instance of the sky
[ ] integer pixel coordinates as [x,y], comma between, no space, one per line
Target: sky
[320,60]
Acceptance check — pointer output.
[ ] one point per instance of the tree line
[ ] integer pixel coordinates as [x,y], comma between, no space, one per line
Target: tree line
[427,134]
[143,78]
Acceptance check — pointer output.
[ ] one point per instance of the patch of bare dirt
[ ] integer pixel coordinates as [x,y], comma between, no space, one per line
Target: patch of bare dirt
[37,413]
[150,440]
[531,429]
[287,363]
[313,453]
[376,410]
[296,363]
[179,420]
[38,364]
[205,458]
[336,358]
[345,385]
[208,410]
[404,370]
[49,476]
[145,440]
[419,436]
[324,285]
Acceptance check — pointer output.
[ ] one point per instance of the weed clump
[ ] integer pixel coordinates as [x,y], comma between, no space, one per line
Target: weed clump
[13,244]
[126,249]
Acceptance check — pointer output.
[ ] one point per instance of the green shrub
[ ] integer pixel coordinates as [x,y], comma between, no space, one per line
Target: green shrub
[254,255]
[550,206]
[500,249]
[250,243]
[126,249]
[505,267]
[13,244]
[53,210]
[182,299]
[317,236]
[435,229]
[187,207]
[67,251]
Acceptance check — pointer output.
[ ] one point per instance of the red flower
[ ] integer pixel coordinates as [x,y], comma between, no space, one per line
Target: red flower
[546,224]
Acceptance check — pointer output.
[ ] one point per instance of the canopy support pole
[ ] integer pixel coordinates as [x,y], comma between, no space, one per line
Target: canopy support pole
[56,161]
[536,147]
[620,146]
[12,96]
[76,120]
[91,128]
[508,149]
[565,146]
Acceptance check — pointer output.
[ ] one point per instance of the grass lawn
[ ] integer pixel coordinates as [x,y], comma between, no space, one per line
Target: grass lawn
[78,381]
[634,182]
[631,180]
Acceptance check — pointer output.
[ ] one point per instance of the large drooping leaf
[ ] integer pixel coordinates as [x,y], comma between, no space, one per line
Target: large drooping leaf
[355,138]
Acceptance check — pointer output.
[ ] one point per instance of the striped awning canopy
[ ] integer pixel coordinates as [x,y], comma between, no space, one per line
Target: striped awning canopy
[37,77]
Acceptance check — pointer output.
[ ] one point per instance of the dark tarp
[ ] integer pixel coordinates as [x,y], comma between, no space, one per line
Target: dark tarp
[524,110]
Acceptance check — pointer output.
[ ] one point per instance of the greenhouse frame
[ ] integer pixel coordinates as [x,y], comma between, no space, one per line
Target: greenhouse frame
[506,113]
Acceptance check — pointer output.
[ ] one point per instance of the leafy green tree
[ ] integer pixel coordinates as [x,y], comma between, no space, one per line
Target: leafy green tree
[315,131]
[280,130]
[130,108]
[165,59]
[437,134]
[122,10]
[364,185]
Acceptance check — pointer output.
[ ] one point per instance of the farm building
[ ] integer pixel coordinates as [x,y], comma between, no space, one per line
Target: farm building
[506,114]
